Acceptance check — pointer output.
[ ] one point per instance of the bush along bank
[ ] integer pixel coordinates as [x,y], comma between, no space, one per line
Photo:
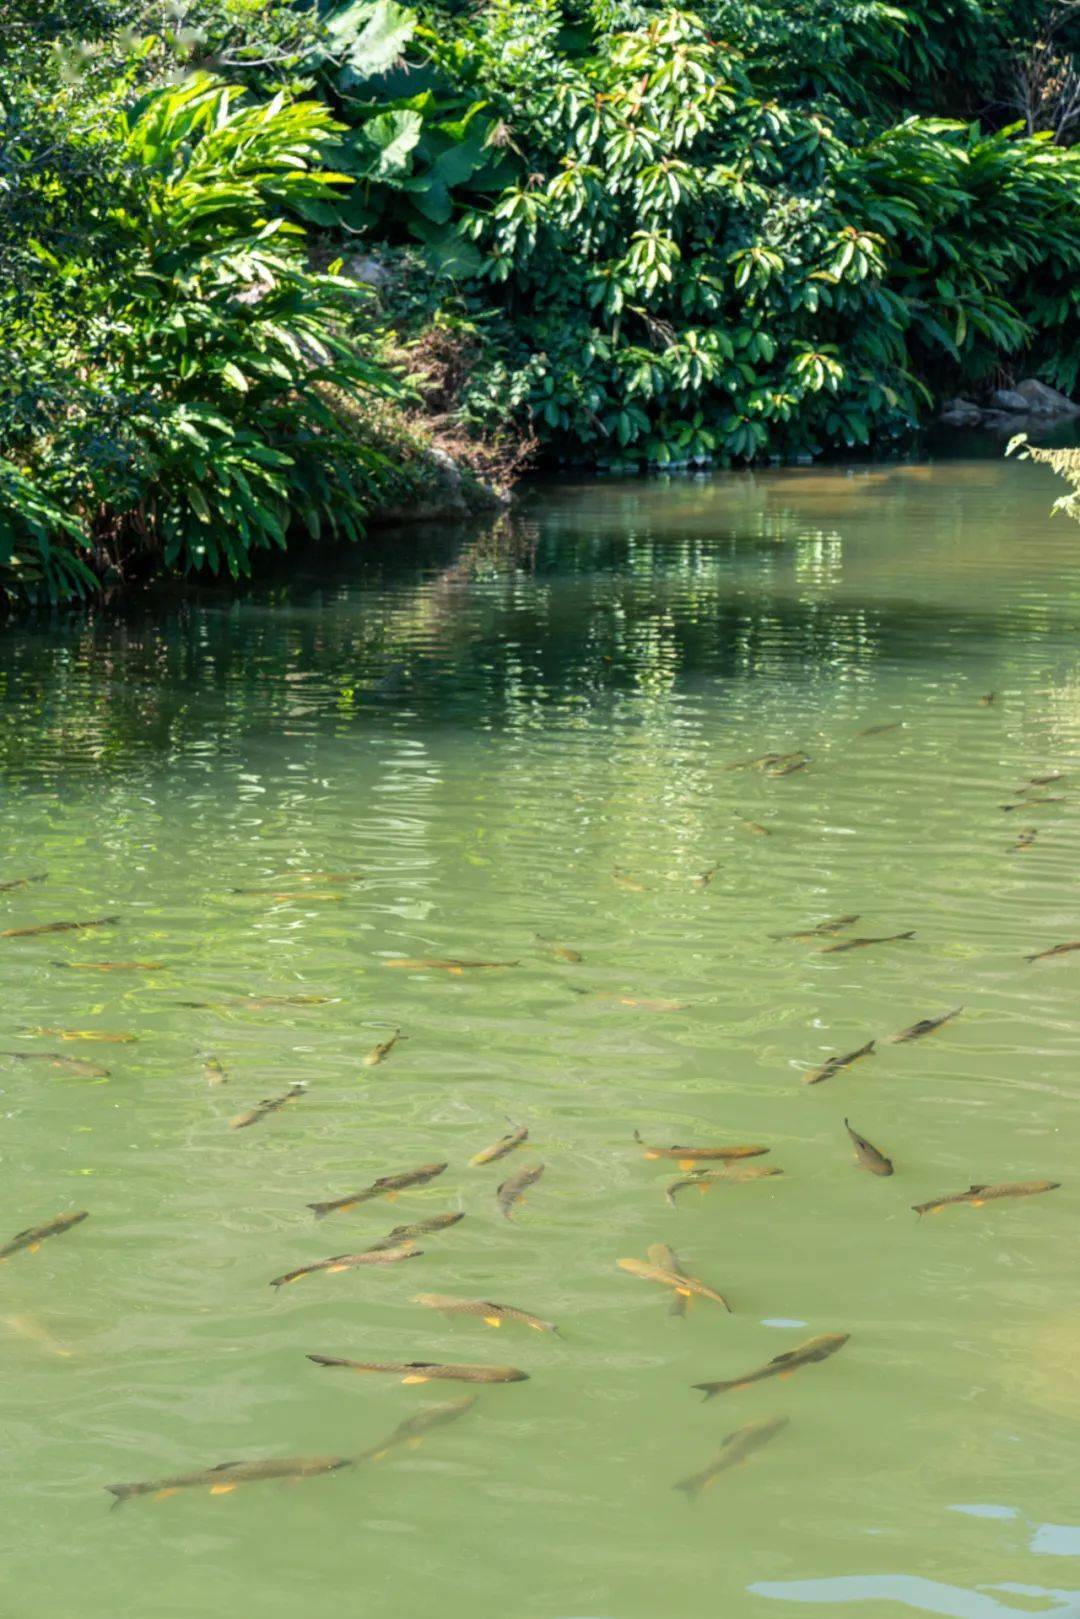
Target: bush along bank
[265,272]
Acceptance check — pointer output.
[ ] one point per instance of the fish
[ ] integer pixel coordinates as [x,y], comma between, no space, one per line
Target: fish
[925,1025]
[226,1476]
[57,1059]
[757,828]
[214,1071]
[704,878]
[1033,803]
[385,1186]
[414,1430]
[259,1003]
[282,897]
[880,730]
[512,1191]
[500,1148]
[687,1156]
[320,877]
[105,1037]
[978,1195]
[645,1003]
[1054,950]
[57,927]
[860,944]
[448,966]
[379,1053]
[420,1228]
[986,699]
[868,1155]
[822,930]
[32,1238]
[658,1253]
[424,1371]
[704,1178]
[1044,781]
[833,1065]
[622,879]
[22,882]
[493,1314]
[339,1262]
[768,761]
[35,1332]
[647,1271]
[735,1448]
[1026,838]
[269,1105]
[789,768]
[111,966]
[805,1354]
[561,952]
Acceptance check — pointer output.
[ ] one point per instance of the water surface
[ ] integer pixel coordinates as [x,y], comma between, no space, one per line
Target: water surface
[532,732]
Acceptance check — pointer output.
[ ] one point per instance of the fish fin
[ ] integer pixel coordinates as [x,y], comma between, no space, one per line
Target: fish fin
[637,1135]
[223,1467]
[32,1247]
[978,1202]
[415,1441]
[163,1495]
[778,1360]
[684,1163]
[222,1489]
[493,1321]
[981,1187]
[651,1154]
[789,1373]
[332,1270]
[684,1292]
[391,1197]
[379,1455]
[415,1377]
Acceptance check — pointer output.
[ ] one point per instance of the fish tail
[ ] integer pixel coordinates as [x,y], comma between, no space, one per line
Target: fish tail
[909,935]
[321,1209]
[709,1389]
[122,1493]
[688,1488]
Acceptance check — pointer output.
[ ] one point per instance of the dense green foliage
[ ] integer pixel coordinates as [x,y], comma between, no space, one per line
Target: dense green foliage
[650,236]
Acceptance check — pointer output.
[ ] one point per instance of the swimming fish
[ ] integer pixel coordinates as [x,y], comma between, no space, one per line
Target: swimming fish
[986,699]
[111,966]
[687,1156]
[704,878]
[259,1003]
[493,1314]
[424,1371]
[414,1429]
[385,1186]
[645,1003]
[57,1059]
[822,930]
[736,1447]
[868,1155]
[224,1478]
[658,1253]
[322,877]
[513,1190]
[339,1262]
[978,1195]
[1032,804]
[647,1271]
[103,1036]
[622,879]
[22,882]
[448,966]
[1054,950]
[282,897]
[269,1105]
[925,1025]
[561,952]
[756,828]
[704,1178]
[760,762]
[879,730]
[57,927]
[788,768]
[32,1238]
[419,1228]
[35,1332]
[833,1065]
[214,1071]
[379,1053]
[500,1148]
[1041,781]
[1026,837]
[860,944]
[805,1354]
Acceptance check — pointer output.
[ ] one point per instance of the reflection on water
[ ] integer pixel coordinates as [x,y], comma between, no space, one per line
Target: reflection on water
[532,734]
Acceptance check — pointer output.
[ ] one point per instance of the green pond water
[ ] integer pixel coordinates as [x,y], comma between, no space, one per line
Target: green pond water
[532,731]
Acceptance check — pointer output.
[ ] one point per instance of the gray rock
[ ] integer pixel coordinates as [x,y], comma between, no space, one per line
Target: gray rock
[1042,400]
[1010,399]
[961,413]
[363,267]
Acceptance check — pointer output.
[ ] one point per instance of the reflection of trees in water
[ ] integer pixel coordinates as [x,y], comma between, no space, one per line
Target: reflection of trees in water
[591,592]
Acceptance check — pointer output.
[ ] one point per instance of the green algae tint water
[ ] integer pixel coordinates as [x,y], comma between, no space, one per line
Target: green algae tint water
[533,733]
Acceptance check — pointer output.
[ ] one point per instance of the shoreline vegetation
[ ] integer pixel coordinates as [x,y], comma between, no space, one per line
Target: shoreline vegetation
[270,273]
